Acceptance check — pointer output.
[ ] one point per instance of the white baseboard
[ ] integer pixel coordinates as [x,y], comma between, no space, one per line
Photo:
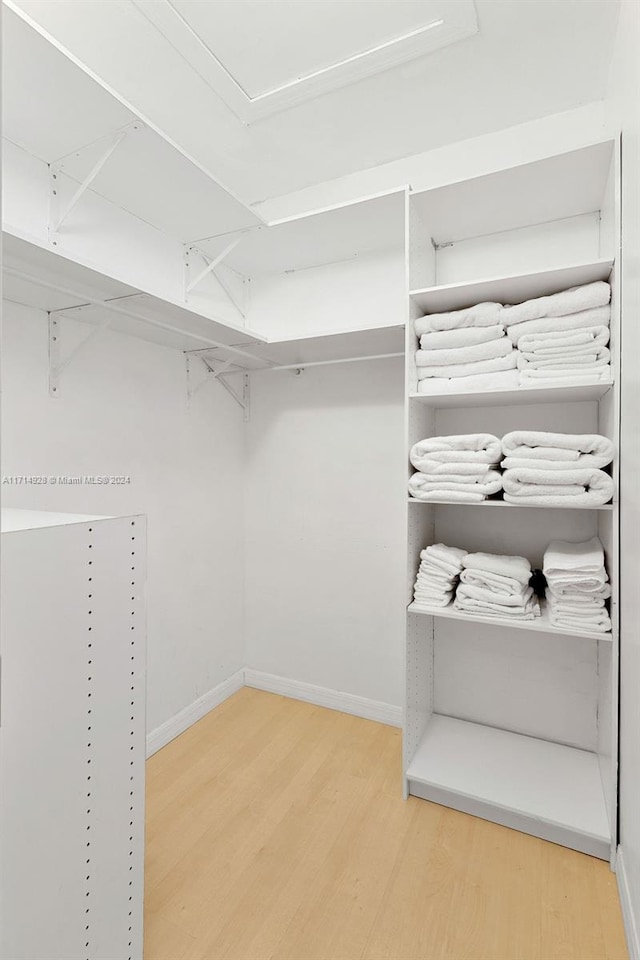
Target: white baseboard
[630,920]
[325,697]
[176,725]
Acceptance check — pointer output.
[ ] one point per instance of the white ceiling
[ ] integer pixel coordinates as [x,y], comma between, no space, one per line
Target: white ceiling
[529,59]
[320,45]
[311,36]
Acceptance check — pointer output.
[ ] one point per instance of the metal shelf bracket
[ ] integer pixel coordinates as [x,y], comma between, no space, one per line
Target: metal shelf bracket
[57,363]
[217,371]
[232,284]
[58,213]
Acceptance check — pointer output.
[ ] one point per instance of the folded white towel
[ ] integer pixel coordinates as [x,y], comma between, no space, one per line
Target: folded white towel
[430,601]
[529,463]
[557,377]
[424,489]
[469,369]
[448,496]
[524,443]
[519,598]
[461,468]
[464,337]
[496,610]
[495,583]
[573,300]
[600,358]
[443,480]
[599,622]
[482,315]
[580,485]
[470,354]
[517,568]
[596,317]
[560,340]
[474,448]
[578,598]
[562,556]
[442,551]
[481,382]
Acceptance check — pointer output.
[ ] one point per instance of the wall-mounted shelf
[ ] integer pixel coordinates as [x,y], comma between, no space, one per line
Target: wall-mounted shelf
[516,506]
[562,393]
[548,789]
[541,624]
[512,288]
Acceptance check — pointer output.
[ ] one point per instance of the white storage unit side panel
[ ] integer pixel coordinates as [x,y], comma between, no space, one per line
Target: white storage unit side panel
[609,525]
[73,737]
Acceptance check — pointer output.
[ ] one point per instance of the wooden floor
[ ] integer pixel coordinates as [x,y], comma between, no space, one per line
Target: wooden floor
[276,829]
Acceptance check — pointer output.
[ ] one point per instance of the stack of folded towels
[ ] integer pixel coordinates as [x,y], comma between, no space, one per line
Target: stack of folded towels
[464,350]
[495,586]
[577,585]
[460,468]
[561,469]
[438,574]
[563,336]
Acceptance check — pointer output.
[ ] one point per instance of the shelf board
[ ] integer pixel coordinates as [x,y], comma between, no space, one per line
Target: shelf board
[517,506]
[541,624]
[545,789]
[561,393]
[511,288]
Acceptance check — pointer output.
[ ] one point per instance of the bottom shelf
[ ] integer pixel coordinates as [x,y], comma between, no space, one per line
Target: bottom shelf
[541,788]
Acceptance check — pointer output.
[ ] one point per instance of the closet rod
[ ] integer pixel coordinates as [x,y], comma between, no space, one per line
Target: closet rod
[318,363]
[107,305]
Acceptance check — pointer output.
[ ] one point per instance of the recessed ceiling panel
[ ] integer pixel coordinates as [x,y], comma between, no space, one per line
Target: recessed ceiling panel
[311,36]
[264,57]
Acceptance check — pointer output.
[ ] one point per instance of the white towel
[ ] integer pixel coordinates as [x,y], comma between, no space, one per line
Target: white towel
[444,480]
[432,601]
[524,443]
[470,447]
[578,598]
[496,610]
[557,377]
[519,598]
[580,485]
[482,315]
[447,496]
[598,358]
[481,382]
[455,355]
[517,568]
[573,300]
[424,489]
[598,622]
[469,369]
[464,337]
[596,317]
[461,468]
[561,340]
[564,556]
[584,460]
[440,554]
[497,584]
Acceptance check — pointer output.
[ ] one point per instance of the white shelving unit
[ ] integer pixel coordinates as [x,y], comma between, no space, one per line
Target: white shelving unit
[72,736]
[515,722]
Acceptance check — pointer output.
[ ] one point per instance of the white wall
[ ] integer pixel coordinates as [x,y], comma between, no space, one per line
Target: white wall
[122,410]
[625,93]
[325,552]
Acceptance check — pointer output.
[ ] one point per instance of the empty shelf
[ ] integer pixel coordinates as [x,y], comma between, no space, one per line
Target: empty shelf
[565,393]
[517,506]
[541,624]
[546,789]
